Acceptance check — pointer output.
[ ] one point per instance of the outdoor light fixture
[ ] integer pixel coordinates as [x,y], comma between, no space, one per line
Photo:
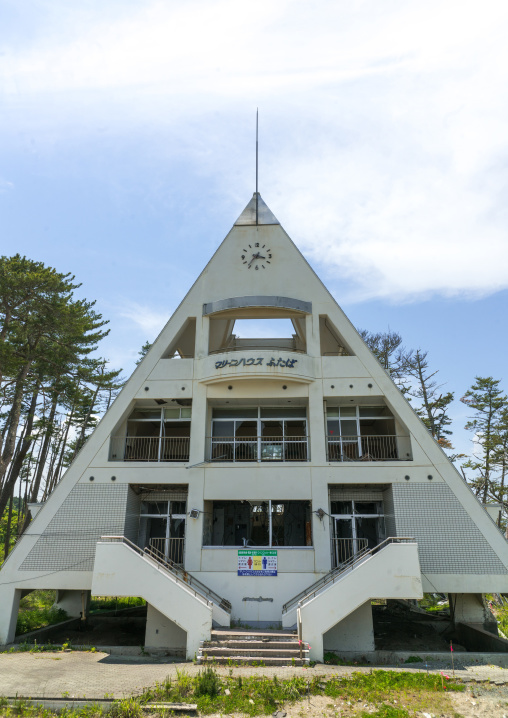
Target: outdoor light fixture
[194,513]
[407,477]
[429,477]
[320,513]
[147,388]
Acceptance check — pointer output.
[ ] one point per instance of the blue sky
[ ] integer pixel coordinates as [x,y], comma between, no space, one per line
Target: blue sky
[127,152]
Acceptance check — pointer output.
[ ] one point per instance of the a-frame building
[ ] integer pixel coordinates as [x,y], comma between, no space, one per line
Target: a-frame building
[230,475]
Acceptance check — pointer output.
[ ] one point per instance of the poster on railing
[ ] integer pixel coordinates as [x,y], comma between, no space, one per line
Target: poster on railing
[257,563]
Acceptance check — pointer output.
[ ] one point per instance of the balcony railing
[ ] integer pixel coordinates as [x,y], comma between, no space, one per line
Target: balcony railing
[258,448]
[171,548]
[150,448]
[366,448]
[345,548]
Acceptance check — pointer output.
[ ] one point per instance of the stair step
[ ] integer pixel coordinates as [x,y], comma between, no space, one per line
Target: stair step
[258,645]
[270,661]
[255,653]
[250,635]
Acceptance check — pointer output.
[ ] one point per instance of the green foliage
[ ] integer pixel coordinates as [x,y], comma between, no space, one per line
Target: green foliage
[126,708]
[489,423]
[414,659]
[37,610]
[115,603]
[261,696]
[207,683]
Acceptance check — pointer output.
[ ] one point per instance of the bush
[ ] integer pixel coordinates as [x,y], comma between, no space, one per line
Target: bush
[207,683]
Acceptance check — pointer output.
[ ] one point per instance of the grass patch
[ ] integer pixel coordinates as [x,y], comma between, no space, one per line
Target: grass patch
[389,694]
[36,610]
[114,603]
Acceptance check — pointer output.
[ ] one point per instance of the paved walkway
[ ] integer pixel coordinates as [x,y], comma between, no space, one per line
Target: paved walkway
[99,675]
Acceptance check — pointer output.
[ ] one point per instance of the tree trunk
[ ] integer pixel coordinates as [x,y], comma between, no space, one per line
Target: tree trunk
[25,445]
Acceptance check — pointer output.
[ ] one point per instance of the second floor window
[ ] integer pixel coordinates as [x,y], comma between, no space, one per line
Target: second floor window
[154,435]
[259,434]
[361,433]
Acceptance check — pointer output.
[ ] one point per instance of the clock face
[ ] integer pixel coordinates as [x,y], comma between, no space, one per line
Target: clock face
[257,256]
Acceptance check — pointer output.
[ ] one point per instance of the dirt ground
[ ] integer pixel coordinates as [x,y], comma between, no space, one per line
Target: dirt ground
[484,702]
[103,631]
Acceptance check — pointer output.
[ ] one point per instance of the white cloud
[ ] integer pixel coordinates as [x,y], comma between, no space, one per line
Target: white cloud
[149,320]
[384,145]
[5,185]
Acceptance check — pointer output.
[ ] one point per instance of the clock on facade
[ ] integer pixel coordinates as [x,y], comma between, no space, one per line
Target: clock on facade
[257,256]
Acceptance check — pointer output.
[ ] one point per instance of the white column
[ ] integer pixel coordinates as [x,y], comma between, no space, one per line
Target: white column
[9,603]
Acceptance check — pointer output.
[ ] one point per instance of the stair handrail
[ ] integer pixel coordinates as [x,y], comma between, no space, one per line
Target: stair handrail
[161,562]
[187,578]
[336,573]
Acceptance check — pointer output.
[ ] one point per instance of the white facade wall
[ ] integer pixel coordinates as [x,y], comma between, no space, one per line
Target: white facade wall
[460,547]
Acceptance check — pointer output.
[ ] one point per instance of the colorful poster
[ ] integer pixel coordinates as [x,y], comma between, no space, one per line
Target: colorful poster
[257,563]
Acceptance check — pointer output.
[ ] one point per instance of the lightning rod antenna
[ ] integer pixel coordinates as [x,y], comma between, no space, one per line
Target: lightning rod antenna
[257,115]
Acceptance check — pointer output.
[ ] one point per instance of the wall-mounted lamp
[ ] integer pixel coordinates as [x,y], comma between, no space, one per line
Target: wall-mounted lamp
[194,513]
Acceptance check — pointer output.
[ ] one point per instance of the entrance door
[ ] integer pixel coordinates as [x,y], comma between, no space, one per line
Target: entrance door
[358,526]
[165,528]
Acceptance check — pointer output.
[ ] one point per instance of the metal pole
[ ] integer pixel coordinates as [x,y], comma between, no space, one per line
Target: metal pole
[257,115]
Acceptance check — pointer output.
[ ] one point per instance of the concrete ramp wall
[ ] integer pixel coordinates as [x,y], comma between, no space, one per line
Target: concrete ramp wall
[393,572]
[119,570]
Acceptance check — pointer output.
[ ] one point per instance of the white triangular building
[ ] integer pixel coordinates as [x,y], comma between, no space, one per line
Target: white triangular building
[265,481]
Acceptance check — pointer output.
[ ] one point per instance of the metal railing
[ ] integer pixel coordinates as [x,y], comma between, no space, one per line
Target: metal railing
[335,574]
[150,448]
[171,548]
[364,448]
[176,572]
[258,448]
[345,548]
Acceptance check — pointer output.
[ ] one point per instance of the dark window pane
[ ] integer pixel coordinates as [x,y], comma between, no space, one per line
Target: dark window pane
[342,507]
[223,428]
[234,413]
[367,507]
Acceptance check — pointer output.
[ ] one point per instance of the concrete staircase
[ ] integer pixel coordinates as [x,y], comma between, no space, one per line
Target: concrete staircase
[245,647]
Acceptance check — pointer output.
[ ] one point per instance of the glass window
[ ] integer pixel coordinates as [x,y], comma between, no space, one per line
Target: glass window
[235,413]
[348,410]
[154,507]
[146,414]
[282,412]
[247,523]
[172,413]
[224,428]
[367,507]
[342,507]
[374,411]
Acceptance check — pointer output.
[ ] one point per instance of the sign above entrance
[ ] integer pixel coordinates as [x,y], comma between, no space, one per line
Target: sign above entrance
[252,361]
[257,563]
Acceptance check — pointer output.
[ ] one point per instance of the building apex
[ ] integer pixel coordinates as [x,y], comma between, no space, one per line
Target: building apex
[265,215]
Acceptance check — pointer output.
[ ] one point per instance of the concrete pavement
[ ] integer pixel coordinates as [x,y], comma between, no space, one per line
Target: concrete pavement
[98,675]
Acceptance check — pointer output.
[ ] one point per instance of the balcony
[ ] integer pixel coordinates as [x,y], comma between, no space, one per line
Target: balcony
[149,448]
[368,448]
[257,448]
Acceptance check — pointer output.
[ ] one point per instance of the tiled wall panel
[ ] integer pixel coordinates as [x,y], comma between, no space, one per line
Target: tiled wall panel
[68,542]
[448,539]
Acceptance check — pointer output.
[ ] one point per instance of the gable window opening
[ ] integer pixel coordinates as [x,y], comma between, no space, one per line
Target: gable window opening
[364,433]
[259,434]
[155,435]
[357,526]
[270,523]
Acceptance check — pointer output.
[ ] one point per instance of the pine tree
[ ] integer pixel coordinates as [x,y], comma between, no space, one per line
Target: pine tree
[489,403]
